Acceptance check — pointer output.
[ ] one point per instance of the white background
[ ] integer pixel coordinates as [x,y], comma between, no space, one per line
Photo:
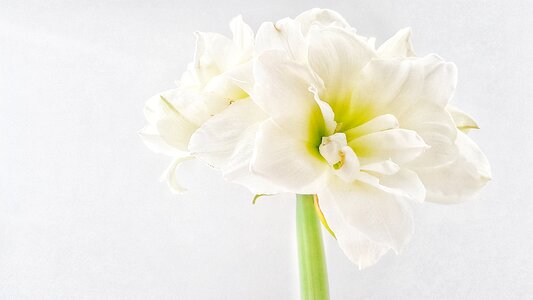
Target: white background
[83,215]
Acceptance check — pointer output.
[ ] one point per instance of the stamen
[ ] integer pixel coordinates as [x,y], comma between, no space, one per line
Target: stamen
[340,163]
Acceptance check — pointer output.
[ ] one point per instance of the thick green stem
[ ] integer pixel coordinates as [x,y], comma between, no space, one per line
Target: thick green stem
[313,272]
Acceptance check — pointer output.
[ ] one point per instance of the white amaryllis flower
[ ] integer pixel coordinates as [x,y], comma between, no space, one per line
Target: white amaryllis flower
[310,107]
[365,129]
[205,93]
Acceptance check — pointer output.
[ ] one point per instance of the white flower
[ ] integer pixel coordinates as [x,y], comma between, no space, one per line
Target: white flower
[367,130]
[206,93]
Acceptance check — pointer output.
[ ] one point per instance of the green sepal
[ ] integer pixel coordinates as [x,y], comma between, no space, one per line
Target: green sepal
[259,196]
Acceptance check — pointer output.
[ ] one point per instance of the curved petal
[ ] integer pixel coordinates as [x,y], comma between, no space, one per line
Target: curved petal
[237,169]
[197,107]
[288,162]
[460,180]
[437,129]
[399,86]
[221,91]
[462,120]
[358,248]
[170,175]
[243,36]
[243,77]
[416,91]
[214,54]
[337,57]
[224,86]
[175,131]
[282,90]
[215,141]
[226,142]
[285,35]
[398,45]
[327,113]
[167,128]
[156,107]
[379,123]
[382,217]
[399,145]
[325,17]
[406,181]
[151,138]
[386,167]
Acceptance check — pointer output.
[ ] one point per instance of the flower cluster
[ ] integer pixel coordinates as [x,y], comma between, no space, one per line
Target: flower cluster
[308,106]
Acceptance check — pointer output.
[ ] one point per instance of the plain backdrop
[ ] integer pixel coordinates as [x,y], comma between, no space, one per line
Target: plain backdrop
[84,216]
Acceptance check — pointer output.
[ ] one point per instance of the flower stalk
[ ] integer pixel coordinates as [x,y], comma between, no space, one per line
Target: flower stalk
[313,272]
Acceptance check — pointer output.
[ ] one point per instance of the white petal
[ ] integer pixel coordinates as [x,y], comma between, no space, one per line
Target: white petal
[285,35]
[214,54]
[243,35]
[337,57]
[167,126]
[217,94]
[379,123]
[460,180]
[398,145]
[462,120]
[358,248]
[288,162]
[397,86]
[224,87]
[386,167]
[226,142]
[384,218]
[155,108]
[151,138]
[237,167]
[437,129]
[397,46]
[196,106]
[325,17]
[406,181]
[327,113]
[176,131]
[221,91]
[170,175]
[416,91]
[215,141]
[243,76]
[371,42]
[189,80]
[282,91]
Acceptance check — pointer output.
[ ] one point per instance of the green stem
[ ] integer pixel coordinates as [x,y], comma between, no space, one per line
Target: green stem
[313,272]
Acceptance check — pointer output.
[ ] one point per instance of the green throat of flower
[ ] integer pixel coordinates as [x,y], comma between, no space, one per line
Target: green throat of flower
[348,119]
